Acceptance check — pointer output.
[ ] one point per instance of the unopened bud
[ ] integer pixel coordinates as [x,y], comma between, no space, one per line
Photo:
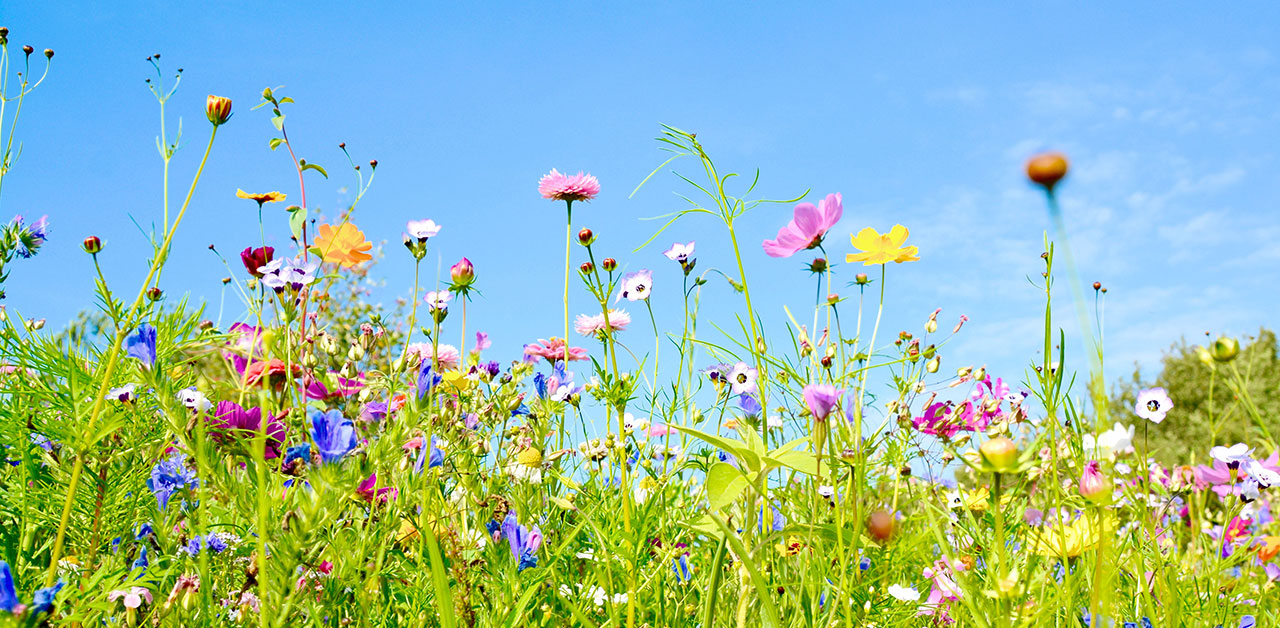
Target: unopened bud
[48,54]
[826,361]
[1047,169]
[28,50]
[463,273]
[818,265]
[154,293]
[217,109]
[861,279]
[933,364]
[93,245]
[1224,349]
[586,268]
[880,525]
[1097,285]
[585,237]
[1000,453]
[609,264]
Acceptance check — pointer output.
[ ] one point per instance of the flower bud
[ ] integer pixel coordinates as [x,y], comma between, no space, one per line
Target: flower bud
[1047,169]
[93,245]
[980,374]
[862,279]
[933,364]
[154,293]
[1224,349]
[609,264]
[586,268]
[1097,285]
[818,265]
[880,525]
[463,273]
[585,237]
[1093,485]
[217,109]
[833,298]
[1000,453]
[28,50]
[48,54]
[826,361]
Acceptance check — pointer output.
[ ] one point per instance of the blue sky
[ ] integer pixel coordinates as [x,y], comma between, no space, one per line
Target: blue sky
[920,114]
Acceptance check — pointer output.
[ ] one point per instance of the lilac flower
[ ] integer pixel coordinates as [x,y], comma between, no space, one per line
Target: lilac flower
[742,379]
[718,373]
[373,412]
[524,541]
[30,237]
[635,286]
[749,405]
[822,399]
[438,300]
[122,394]
[169,476]
[142,345]
[420,230]
[291,273]
[679,252]
[334,435]
[1153,404]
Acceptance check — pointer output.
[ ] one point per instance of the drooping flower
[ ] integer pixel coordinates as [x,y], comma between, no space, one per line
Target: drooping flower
[807,227]
[482,342]
[562,187]
[635,286]
[821,399]
[343,245]
[333,434]
[594,325]
[254,259]
[742,379]
[679,252]
[142,345]
[552,351]
[261,197]
[1153,404]
[882,249]
[169,476]
[524,542]
[232,422]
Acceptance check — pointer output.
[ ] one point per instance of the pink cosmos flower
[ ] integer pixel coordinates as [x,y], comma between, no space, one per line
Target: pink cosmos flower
[365,490]
[552,351]
[807,227]
[594,326]
[563,187]
[821,399]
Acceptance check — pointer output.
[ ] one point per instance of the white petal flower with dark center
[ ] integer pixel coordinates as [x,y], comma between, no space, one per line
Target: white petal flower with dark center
[1153,404]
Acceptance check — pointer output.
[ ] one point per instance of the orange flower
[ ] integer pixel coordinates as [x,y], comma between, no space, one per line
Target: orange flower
[261,197]
[1270,547]
[344,245]
[273,373]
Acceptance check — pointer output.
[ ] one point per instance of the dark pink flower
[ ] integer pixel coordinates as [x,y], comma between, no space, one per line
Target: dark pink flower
[807,227]
[231,422]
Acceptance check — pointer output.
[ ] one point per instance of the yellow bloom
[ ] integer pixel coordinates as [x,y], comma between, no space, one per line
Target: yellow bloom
[882,249]
[458,380]
[791,547]
[344,245]
[261,197]
[1074,539]
[530,457]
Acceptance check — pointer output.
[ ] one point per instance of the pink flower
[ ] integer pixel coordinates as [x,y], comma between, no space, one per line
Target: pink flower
[132,597]
[365,490]
[594,326]
[482,342]
[449,358]
[1093,485]
[552,351]
[660,430]
[821,399]
[563,187]
[807,227]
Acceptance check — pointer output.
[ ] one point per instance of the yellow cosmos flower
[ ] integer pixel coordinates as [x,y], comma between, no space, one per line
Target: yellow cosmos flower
[343,245]
[882,249]
[458,380]
[1074,539]
[261,197]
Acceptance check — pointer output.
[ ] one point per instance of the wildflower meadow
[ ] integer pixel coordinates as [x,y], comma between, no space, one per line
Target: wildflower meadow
[296,456]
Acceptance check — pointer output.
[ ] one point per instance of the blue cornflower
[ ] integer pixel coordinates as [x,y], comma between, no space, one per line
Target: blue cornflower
[524,542]
[142,344]
[334,435]
[171,475]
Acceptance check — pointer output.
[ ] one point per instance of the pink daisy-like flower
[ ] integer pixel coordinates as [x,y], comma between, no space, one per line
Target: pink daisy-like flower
[449,357]
[552,351]
[807,227]
[563,187]
[594,326]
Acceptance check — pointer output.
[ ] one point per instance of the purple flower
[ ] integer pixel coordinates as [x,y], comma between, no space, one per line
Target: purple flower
[8,595]
[821,399]
[807,227]
[427,379]
[749,405]
[334,435]
[29,238]
[142,344]
[292,273]
[230,421]
[524,541]
[169,476]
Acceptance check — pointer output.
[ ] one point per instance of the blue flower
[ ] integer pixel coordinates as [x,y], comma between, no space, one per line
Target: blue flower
[141,562]
[334,435]
[524,542]
[171,475]
[142,344]
[297,452]
[864,564]
[427,379]
[749,405]
[681,567]
[30,237]
[42,599]
[8,596]
[434,456]
[144,531]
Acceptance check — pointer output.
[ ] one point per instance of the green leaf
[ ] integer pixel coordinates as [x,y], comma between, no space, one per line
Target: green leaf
[801,461]
[297,220]
[275,142]
[763,592]
[724,485]
[738,448]
[278,122]
[316,168]
[285,100]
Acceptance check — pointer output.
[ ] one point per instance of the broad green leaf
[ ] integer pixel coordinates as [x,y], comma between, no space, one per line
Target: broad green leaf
[724,485]
[297,219]
[801,461]
[275,142]
[316,168]
[739,449]
[278,122]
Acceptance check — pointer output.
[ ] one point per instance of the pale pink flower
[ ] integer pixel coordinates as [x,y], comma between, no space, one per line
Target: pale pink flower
[133,596]
[482,342]
[807,227]
[449,358]
[563,187]
[742,379]
[438,299]
[594,326]
[552,351]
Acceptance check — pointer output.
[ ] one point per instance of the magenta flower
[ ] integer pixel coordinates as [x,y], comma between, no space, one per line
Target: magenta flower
[552,351]
[821,399]
[563,187]
[365,490]
[231,421]
[1093,485]
[807,227]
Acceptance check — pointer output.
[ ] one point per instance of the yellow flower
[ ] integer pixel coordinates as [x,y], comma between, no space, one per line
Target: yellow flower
[1074,539]
[882,249]
[344,245]
[791,547]
[261,197]
[530,457]
[458,380]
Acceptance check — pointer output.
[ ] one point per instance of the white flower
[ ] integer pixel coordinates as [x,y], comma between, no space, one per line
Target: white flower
[524,473]
[422,229]
[906,594]
[635,286]
[1153,404]
[194,399]
[1265,477]
[438,299]
[742,379]
[1249,491]
[1231,456]
[1115,440]
[679,252]
[773,422]
[827,491]
[123,393]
